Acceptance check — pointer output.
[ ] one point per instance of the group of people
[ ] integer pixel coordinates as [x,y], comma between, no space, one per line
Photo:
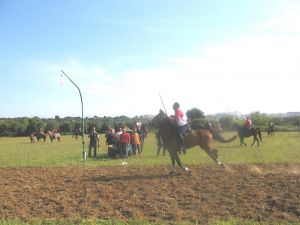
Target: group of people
[123,143]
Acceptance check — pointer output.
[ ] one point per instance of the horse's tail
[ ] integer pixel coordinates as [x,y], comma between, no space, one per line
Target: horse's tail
[259,134]
[218,137]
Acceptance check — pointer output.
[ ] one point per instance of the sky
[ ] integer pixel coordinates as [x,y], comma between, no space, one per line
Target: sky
[213,55]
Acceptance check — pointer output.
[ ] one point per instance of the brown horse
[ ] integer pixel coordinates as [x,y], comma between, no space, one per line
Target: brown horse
[201,137]
[31,137]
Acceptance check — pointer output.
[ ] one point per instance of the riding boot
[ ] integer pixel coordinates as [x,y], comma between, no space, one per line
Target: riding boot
[182,144]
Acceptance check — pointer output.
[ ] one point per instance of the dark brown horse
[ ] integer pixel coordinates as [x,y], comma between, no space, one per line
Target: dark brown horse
[76,132]
[270,130]
[41,136]
[201,137]
[244,132]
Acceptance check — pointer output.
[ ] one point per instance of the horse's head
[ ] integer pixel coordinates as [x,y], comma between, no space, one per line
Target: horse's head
[159,118]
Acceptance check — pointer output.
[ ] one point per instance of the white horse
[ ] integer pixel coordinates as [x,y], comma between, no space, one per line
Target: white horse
[54,135]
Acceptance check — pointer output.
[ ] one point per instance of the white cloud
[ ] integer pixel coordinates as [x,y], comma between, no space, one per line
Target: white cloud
[250,74]
[254,73]
[289,22]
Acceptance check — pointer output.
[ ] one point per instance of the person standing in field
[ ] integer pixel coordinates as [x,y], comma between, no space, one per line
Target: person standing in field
[136,142]
[124,142]
[94,142]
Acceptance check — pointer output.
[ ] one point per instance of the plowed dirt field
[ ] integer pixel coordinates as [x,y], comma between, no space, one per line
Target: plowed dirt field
[247,192]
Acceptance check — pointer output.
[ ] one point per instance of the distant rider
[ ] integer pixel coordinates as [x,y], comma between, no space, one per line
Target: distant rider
[248,123]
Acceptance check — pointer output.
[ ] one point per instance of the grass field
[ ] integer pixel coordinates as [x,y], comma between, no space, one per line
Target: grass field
[15,152]
[284,147]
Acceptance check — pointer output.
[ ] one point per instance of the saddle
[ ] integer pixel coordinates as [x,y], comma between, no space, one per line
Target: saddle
[247,130]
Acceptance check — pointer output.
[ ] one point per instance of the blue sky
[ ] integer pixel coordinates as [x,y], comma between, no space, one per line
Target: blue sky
[217,56]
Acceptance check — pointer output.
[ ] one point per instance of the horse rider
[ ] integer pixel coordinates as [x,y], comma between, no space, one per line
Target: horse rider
[247,124]
[181,121]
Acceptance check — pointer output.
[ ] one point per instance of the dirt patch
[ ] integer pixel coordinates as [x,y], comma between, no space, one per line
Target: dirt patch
[248,192]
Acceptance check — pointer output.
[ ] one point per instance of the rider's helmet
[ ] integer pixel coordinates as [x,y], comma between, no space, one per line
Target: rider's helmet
[176,105]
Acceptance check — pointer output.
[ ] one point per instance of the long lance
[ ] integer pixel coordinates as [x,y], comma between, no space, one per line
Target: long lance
[163,103]
[82,120]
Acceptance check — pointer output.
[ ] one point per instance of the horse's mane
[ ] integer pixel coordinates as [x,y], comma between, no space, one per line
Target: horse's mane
[164,121]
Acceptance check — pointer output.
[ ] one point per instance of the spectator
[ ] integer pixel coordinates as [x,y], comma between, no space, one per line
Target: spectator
[136,142]
[124,142]
[94,140]
[111,142]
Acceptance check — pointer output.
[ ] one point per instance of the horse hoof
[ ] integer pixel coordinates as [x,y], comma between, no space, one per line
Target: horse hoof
[222,166]
[186,169]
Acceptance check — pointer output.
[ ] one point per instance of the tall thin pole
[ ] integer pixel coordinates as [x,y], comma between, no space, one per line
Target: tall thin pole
[163,103]
[82,120]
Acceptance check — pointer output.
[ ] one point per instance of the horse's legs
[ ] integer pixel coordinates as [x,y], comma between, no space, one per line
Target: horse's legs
[242,141]
[213,153]
[173,169]
[142,144]
[175,157]
[158,150]
[255,139]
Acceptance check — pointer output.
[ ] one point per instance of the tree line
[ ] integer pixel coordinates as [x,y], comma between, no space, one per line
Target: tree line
[261,120]
[24,126]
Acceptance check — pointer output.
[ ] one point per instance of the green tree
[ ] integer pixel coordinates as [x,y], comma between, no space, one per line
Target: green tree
[65,127]
[198,122]
[259,119]
[194,113]
[34,124]
[52,124]
[226,122]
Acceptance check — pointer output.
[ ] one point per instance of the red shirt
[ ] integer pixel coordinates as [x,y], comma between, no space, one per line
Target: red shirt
[179,116]
[248,123]
[124,138]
